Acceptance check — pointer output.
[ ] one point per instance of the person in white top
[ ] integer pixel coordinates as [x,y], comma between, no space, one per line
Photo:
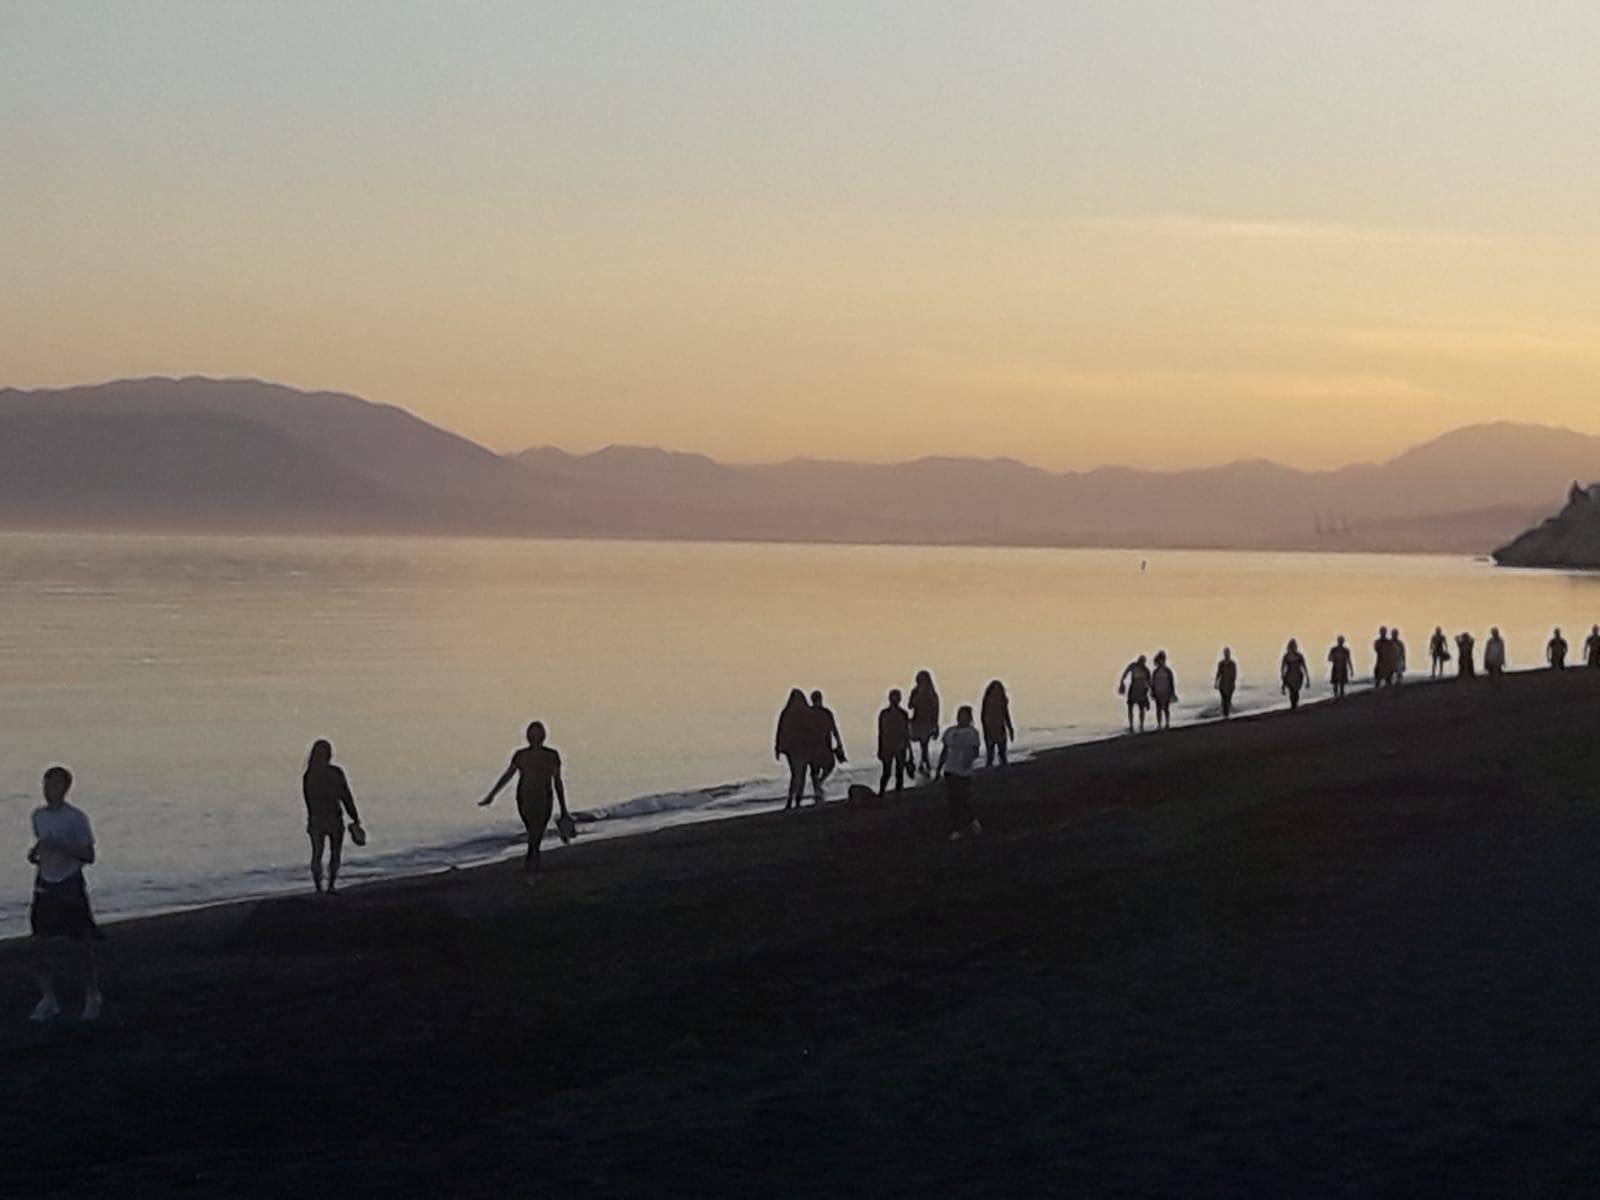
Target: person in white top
[957,760]
[1494,655]
[63,845]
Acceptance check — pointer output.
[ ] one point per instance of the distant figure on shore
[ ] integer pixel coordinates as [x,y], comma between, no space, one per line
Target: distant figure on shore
[958,758]
[1340,667]
[63,844]
[1399,653]
[1135,685]
[1382,659]
[1494,655]
[793,744]
[1163,690]
[827,746]
[538,771]
[1555,652]
[1466,666]
[1591,648]
[1227,680]
[924,706]
[1294,672]
[328,800]
[894,743]
[1438,652]
[995,717]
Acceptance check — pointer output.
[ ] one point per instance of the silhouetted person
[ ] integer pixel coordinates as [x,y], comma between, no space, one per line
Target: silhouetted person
[1555,651]
[1163,690]
[328,799]
[1227,680]
[995,716]
[1591,648]
[1399,653]
[792,743]
[63,844]
[1438,652]
[924,705]
[1340,667]
[827,747]
[1135,685]
[1294,673]
[1494,655]
[538,771]
[1382,658]
[1466,665]
[958,758]
[894,743]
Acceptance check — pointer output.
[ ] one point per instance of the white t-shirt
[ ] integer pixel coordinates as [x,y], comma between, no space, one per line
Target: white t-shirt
[962,745]
[65,824]
[1494,655]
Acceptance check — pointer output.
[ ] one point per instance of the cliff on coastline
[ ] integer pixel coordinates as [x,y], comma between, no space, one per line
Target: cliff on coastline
[1571,538]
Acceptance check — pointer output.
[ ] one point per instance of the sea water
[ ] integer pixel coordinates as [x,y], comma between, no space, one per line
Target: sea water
[183,679]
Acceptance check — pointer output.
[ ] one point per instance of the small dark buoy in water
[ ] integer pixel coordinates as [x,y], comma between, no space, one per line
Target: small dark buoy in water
[1143,563]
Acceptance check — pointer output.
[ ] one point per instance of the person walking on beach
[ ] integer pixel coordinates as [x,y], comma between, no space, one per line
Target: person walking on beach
[1555,652]
[538,771]
[1163,690]
[1294,673]
[1398,656]
[326,792]
[1438,652]
[995,716]
[827,746]
[894,743]
[1227,680]
[924,706]
[958,758]
[1135,685]
[63,844]
[1494,655]
[1591,648]
[1466,666]
[792,743]
[1340,667]
[1383,658]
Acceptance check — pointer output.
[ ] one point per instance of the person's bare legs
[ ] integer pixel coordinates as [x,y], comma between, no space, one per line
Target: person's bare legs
[48,1007]
[335,856]
[316,860]
[91,983]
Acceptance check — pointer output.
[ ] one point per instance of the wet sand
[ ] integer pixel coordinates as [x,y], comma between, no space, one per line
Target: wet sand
[1349,951]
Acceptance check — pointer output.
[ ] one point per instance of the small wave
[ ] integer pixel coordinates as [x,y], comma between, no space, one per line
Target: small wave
[721,795]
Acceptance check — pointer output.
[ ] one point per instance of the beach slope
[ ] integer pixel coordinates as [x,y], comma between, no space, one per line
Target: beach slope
[1344,952]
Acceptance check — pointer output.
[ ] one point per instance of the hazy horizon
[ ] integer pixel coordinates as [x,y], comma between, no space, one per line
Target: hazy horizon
[1130,234]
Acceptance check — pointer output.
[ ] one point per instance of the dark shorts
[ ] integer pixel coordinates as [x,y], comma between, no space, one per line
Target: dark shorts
[61,910]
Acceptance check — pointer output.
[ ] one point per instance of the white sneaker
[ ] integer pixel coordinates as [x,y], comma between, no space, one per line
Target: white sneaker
[975,829]
[91,1007]
[45,1011]
[955,835]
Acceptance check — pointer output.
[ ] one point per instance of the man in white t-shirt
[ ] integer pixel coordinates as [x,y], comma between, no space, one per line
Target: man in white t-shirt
[957,761]
[63,845]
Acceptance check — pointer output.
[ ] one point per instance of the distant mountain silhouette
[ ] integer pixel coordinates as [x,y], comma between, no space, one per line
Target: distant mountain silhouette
[241,454]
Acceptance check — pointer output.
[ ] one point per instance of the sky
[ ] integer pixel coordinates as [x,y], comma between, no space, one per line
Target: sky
[1160,234]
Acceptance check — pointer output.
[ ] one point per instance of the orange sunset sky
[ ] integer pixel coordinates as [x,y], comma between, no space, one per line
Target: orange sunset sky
[1151,233]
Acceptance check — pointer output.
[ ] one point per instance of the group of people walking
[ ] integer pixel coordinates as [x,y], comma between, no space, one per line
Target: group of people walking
[1143,685]
[808,739]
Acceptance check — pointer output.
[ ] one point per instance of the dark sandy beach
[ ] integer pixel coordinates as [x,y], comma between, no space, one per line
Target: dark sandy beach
[1349,951]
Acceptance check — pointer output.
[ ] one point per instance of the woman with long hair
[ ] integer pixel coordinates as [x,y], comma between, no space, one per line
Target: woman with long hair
[327,795]
[924,706]
[994,714]
[793,743]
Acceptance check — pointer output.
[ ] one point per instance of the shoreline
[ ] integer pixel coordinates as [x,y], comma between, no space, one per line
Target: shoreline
[1201,715]
[1333,952]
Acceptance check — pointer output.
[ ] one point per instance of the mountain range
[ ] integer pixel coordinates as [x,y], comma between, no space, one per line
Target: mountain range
[242,455]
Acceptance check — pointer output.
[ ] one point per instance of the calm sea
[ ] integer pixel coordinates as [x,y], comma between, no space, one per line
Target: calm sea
[183,679]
